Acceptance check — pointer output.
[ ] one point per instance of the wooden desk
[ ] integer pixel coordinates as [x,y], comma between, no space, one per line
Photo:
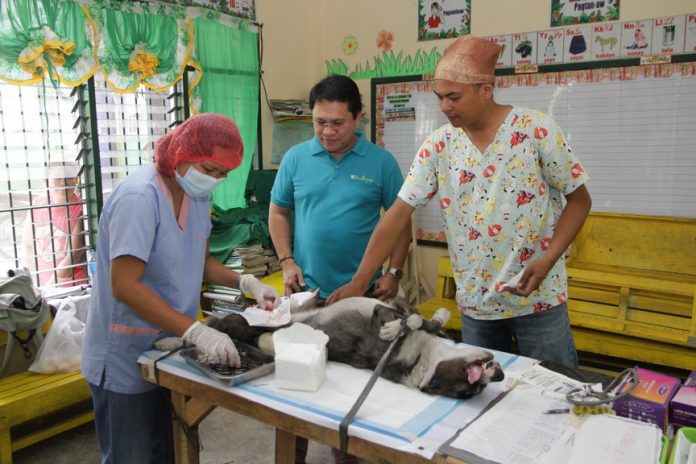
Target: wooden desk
[193,401]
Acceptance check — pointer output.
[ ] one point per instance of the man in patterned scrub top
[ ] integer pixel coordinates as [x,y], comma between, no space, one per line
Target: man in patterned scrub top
[500,174]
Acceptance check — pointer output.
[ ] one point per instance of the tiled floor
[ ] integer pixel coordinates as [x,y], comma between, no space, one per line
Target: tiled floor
[227,438]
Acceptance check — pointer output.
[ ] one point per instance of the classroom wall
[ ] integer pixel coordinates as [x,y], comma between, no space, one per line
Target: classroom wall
[301,35]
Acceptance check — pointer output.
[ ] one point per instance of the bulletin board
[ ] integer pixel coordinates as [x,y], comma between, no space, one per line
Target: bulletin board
[632,127]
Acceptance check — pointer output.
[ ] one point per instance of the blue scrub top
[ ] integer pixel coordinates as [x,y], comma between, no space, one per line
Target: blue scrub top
[337,206]
[138,220]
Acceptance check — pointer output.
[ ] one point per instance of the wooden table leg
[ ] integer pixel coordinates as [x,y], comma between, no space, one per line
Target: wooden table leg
[284,447]
[191,411]
[5,443]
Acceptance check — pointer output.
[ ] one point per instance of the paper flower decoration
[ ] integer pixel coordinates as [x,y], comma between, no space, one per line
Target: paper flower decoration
[143,62]
[350,45]
[44,47]
[384,40]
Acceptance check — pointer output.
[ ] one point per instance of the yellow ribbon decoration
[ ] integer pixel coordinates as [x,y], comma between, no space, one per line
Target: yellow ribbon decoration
[143,63]
[57,51]
[34,62]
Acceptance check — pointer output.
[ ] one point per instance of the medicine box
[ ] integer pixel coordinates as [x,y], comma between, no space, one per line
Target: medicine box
[650,400]
[683,405]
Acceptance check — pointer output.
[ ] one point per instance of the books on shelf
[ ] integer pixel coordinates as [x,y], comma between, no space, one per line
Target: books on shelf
[253,259]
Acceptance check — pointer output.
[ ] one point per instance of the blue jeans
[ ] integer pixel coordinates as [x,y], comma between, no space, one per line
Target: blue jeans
[544,336]
[133,428]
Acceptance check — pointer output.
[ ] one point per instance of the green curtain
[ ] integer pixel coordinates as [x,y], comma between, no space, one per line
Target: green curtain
[123,32]
[143,43]
[230,86]
[37,36]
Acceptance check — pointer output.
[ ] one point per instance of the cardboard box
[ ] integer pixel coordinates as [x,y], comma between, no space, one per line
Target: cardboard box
[650,401]
[683,405]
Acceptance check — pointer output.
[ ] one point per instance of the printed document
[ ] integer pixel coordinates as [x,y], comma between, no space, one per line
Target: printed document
[515,430]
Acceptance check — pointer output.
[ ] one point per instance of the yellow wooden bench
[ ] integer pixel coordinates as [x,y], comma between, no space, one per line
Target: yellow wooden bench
[444,296]
[631,289]
[28,396]
[34,406]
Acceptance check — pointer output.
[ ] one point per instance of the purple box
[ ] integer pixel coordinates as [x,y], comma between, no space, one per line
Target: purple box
[683,405]
[650,401]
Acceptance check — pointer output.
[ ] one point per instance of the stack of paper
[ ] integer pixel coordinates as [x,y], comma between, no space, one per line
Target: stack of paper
[516,430]
[273,263]
[249,260]
[616,440]
[520,428]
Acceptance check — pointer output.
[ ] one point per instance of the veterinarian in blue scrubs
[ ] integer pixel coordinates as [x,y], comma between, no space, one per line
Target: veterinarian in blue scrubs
[501,174]
[152,255]
[336,184]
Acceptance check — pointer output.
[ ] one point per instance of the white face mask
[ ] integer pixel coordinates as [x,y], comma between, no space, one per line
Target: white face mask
[196,184]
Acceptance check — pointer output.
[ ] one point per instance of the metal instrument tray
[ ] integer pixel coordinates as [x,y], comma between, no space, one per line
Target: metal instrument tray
[255,363]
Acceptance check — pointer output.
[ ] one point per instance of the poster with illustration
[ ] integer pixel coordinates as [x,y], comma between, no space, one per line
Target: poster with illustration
[668,35]
[636,37]
[577,44]
[569,12]
[505,42]
[690,42]
[550,46]
[524,48]
[443,19]
[606,41]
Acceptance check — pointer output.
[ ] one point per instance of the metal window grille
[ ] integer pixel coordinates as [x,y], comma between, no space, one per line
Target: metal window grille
[48,215]
[128,125]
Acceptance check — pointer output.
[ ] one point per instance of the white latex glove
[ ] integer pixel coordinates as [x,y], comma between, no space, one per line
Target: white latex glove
[218,346]
[168,343]
[266,296]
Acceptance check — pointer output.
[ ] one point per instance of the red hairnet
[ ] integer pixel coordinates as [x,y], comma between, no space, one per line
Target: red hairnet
[194,141]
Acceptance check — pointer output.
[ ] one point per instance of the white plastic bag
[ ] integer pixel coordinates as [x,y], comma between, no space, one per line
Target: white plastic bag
[61,349]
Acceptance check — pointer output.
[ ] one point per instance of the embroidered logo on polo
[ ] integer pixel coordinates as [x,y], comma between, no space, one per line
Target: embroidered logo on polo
[364,179]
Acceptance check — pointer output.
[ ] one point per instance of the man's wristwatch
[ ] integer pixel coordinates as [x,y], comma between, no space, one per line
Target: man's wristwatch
[396,272]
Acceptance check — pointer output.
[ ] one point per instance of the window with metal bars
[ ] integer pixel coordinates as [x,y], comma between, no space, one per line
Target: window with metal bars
[62,151]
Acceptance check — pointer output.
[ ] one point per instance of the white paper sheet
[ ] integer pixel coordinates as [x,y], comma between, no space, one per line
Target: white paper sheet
[546,379]
[684,449]
[281,315]
[692,454]
[515,430]
[616,440]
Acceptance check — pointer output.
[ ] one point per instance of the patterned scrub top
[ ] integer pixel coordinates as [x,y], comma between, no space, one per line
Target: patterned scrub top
[499,208]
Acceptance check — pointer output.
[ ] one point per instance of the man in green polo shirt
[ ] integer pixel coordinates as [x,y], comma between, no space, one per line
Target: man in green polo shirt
[336,183]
